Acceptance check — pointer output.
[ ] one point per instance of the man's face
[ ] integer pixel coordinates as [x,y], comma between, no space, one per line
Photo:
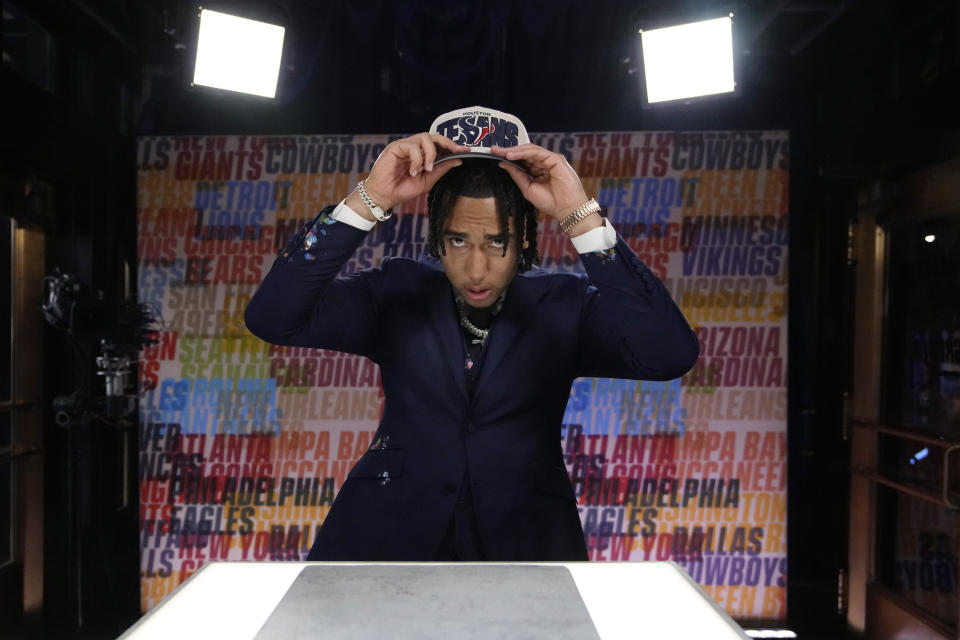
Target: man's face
[474,262]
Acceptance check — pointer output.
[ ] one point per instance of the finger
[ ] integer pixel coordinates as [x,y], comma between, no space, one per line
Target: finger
[447,143]
[519,176]
[440,146]
[429,150]
[539,163]
[529,152]
[519,147]
[415,156]
[432,177]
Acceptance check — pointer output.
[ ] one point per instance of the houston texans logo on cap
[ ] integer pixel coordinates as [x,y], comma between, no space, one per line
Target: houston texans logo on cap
[483,134]
[480,128]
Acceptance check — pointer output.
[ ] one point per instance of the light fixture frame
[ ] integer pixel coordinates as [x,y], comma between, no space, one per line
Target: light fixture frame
[265,12]
[675,20]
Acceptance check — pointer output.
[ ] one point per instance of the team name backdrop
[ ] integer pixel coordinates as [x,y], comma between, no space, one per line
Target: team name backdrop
[244,445]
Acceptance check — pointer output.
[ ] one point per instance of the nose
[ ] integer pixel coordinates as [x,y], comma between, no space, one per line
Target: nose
[477,266]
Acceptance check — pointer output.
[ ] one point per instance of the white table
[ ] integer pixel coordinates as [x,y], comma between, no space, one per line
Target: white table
[624,599]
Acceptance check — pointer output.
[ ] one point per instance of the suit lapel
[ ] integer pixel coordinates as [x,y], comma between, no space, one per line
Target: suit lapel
[443,319]
[510,323]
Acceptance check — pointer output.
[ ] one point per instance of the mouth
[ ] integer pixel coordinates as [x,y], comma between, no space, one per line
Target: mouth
[477,295]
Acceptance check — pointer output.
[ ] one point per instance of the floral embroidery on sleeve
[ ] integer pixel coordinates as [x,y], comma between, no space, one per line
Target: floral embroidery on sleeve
[607,255]
[310,240]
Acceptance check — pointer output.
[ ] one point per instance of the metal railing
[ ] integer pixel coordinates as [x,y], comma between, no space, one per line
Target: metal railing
[951,446]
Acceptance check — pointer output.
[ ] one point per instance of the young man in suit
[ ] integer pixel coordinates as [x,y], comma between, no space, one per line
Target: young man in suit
[477,348]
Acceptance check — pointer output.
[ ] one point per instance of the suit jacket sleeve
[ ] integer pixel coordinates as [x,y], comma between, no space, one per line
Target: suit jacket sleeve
[301,302]
[630,327]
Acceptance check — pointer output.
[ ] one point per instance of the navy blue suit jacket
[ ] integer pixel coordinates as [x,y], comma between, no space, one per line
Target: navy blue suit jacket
[617,321]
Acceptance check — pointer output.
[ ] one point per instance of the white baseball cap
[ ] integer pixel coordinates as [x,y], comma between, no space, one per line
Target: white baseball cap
[480,128]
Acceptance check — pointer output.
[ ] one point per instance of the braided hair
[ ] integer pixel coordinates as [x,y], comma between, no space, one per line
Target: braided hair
[477,178]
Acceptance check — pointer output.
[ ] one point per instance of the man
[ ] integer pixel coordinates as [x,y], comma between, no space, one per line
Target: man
[477,350]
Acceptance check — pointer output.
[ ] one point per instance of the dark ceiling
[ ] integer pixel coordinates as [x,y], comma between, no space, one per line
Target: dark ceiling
[392,66]
[816,67]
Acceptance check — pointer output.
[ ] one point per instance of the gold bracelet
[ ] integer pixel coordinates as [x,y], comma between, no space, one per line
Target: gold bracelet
[581,212]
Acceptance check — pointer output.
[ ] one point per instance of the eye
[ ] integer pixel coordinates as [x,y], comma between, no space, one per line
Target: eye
[454,241]
[497,243]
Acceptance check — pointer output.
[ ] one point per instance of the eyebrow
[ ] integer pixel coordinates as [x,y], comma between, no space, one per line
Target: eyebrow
[450,233]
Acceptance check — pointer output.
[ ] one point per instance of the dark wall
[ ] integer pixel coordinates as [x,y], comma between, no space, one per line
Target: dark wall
[68,141]
[872,100]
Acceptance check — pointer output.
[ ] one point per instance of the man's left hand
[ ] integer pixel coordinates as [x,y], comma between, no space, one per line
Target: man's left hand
[550,183]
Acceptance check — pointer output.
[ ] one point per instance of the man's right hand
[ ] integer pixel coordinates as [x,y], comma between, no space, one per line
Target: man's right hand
[404,170]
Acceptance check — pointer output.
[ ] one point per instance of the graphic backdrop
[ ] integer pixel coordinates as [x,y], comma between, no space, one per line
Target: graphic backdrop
[244,446]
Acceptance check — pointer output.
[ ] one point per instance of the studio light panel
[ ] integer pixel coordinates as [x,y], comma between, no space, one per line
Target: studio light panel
[238,54]
[688,60]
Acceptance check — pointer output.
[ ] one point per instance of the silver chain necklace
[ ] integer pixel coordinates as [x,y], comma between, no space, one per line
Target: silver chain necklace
[481,334]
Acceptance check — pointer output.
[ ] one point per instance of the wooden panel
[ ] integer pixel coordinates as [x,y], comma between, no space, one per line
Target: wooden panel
[928,193]
[29,323]
[868,331]
[893,618]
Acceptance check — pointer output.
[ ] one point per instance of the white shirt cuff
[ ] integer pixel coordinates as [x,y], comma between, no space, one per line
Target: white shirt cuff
[346,215]
[597,239]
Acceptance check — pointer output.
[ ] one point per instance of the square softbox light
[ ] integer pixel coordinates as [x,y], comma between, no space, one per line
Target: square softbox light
[238,54]
[688,60]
